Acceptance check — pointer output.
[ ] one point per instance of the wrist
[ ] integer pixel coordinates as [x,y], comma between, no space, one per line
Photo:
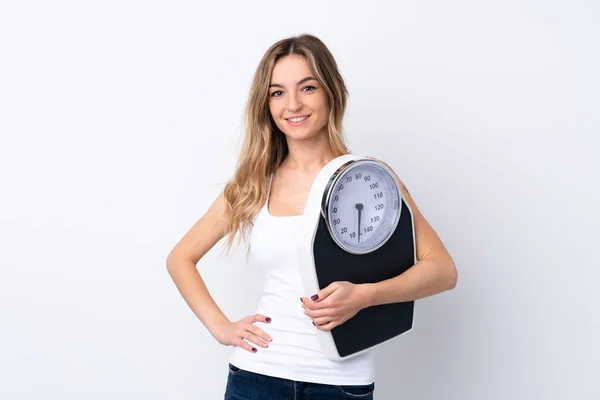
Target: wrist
[367,294]
[216,324]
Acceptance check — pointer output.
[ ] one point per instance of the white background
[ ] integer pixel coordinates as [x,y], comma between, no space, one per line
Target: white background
[120,122]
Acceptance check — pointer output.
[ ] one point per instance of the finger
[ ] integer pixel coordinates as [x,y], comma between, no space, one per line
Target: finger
[320,296]
[327,326]
[329,302]
[258,318]
[259,333]
[322,312]
[244,345]
[325,292]
[322,321]
[254,339]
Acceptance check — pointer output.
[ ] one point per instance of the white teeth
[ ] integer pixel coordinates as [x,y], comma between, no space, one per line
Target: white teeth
[297,119]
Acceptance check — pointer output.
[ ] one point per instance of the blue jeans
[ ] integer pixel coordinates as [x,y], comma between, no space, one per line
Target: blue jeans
[246,385]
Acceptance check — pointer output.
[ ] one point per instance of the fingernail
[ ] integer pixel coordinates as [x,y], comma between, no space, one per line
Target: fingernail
[268,319]
[315,297]
[254,350]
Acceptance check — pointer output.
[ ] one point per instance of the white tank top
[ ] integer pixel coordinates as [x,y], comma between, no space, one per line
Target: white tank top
[294,353]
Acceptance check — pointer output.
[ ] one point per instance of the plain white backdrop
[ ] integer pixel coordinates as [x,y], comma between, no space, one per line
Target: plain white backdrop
[120,122]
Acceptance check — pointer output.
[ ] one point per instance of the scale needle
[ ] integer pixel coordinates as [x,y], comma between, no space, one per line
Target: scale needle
[359,207]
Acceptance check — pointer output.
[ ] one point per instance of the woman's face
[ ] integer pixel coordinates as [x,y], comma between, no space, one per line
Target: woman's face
[298,103]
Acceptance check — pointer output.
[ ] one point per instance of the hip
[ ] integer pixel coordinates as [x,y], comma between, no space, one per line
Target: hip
[246,385]
[303,363]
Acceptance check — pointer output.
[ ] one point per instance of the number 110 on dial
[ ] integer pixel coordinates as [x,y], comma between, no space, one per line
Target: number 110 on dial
[362,206]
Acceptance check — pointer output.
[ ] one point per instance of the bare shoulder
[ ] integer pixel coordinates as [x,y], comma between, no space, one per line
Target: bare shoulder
[204,234]
[427,240]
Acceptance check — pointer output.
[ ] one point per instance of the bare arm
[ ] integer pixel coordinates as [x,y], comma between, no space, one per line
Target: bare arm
[434,272]
[181,264]
[182,261]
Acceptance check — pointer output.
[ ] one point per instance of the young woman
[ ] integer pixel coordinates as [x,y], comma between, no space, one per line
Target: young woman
[293,128]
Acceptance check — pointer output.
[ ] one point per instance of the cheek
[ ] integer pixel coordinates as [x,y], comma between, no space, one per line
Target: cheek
[321,105]
[275,110]
[323,111]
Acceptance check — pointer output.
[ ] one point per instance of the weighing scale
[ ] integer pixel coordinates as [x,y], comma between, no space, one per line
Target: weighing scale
[357,227]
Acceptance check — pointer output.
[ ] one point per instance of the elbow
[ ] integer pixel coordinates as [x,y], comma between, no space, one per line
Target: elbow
[171,261]
[452,275]
[177,260]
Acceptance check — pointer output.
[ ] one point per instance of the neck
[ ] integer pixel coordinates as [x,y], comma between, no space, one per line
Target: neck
[308,155]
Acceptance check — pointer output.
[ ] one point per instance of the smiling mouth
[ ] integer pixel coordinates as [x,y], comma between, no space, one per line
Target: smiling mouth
[298,119]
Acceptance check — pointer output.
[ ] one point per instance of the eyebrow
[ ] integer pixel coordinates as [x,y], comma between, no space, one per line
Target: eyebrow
[308,78]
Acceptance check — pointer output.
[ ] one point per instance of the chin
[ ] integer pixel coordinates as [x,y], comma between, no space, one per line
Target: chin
[303,134]
[299,136]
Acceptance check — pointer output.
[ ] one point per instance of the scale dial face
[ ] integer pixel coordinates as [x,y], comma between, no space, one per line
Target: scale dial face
[362,206]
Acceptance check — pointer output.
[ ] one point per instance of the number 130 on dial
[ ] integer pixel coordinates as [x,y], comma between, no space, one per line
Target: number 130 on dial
[361,206]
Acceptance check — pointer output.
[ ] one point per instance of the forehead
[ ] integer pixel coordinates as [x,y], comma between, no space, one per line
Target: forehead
[290,69]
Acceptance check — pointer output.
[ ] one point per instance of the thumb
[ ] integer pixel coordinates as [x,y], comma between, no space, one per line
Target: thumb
[326,291]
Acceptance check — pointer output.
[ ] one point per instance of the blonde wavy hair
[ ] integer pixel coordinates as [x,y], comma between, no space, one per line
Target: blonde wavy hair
[265,146]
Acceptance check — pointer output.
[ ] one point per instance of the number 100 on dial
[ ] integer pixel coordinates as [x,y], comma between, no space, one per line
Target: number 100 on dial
[362,206]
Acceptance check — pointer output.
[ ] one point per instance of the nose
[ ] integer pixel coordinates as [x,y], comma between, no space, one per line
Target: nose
[294,103]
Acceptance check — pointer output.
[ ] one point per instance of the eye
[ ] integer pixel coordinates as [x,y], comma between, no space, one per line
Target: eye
[276,93]
[308,87]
